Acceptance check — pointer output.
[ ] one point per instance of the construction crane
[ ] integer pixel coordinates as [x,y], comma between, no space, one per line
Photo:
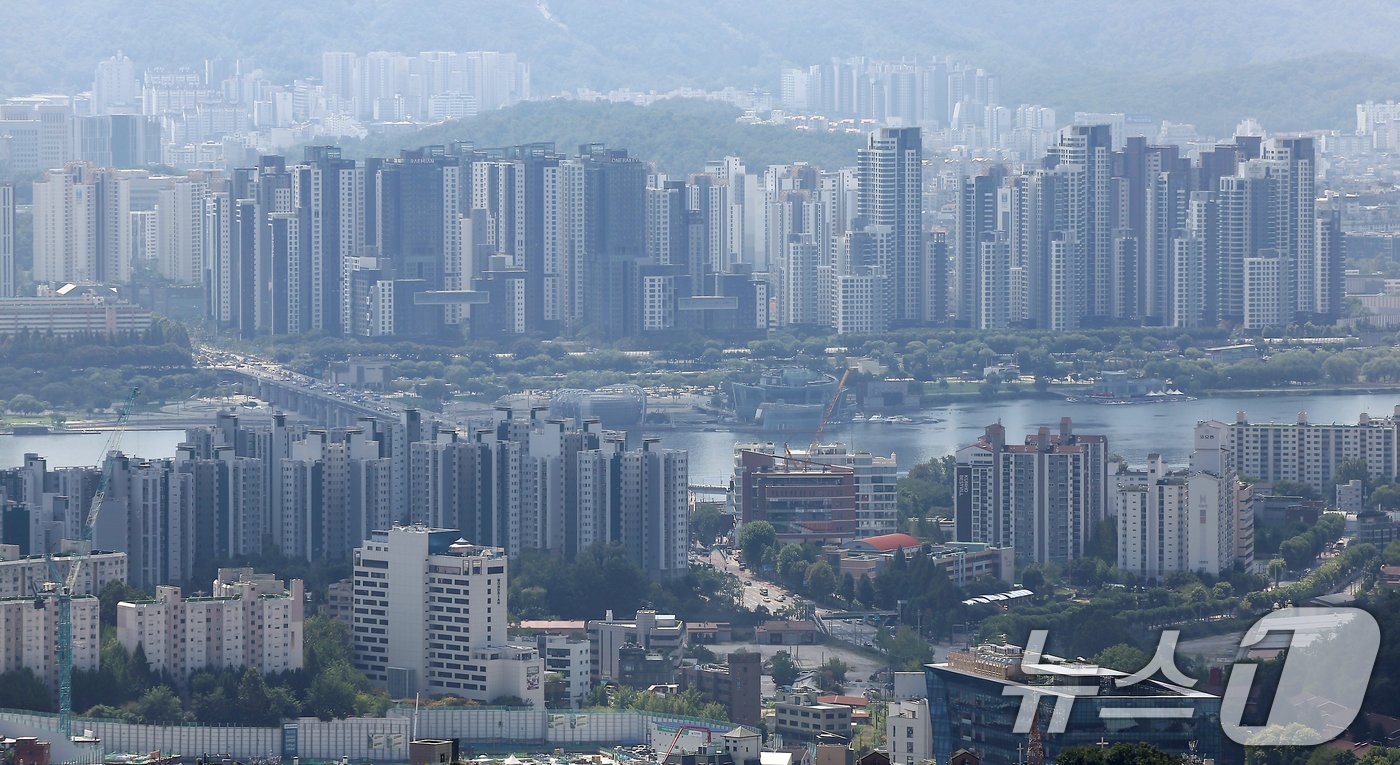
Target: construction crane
[63,593]
[830,410]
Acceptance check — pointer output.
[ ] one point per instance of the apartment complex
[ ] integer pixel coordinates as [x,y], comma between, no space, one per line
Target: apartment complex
[20,574]
[29,635]
[515,480]
[250,620]
[1184,520]
[430,616]
[1310,452]
[1041,498]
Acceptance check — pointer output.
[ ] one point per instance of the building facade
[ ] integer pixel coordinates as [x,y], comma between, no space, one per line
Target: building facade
[250,620]
[1041,498]
[430,616]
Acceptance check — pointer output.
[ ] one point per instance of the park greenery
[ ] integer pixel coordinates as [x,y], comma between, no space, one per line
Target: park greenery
[85,373]
[945,363]
[602,578]
[688,702]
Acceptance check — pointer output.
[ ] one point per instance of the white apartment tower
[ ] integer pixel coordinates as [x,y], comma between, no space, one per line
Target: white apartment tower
[1184,520]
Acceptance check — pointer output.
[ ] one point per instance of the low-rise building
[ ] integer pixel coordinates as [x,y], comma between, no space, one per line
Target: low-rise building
[709,632]
[737,685]
[908,732]
[660,633]
[964,562]
[68,312]
[250,620]
[21,574]
[1374,527]
[642,668]
[799,632]
[799,715]
[569,658]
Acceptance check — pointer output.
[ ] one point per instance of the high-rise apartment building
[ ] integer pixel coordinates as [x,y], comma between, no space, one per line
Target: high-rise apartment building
[1041,498]
[7,240]
[22,575]
[1310,452]
[1183,520]
[890,171]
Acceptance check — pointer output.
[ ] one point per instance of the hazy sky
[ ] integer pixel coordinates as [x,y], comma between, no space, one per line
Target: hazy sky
[1289,61]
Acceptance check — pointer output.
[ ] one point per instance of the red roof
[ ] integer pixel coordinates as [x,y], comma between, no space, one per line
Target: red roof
[849,701]
[891,542]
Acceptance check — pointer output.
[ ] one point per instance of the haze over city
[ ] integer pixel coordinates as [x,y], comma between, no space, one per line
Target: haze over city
[779,383]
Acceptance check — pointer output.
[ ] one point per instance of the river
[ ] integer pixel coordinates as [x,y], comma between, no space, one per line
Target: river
[1133,431]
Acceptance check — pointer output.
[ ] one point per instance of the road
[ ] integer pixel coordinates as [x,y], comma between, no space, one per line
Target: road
[264,369]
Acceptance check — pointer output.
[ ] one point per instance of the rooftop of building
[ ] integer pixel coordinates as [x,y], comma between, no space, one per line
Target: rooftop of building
[884,543]
[1007,664]
[844,700]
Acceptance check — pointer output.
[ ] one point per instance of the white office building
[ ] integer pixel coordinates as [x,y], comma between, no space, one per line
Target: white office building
[429,615]
[661,633]
[570,658]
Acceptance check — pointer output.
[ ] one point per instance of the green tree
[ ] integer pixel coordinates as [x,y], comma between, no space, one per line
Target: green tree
[848,588]
[333,693]
[23,403]
[113,592]
[821,580]
[865,591]
[1391,555]
[755,538]
[831,675]
[907,650]
[1340,368]
[792,564]
[708,522]
[1352,468]
[1118,754]
[1122,657]
[22,689]
[783,669]
[159,706]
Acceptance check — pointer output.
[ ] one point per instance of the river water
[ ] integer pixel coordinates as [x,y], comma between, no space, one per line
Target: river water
[1133,431]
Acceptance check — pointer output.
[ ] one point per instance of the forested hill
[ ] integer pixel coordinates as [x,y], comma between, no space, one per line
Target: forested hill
[678,136]
[1292,63]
